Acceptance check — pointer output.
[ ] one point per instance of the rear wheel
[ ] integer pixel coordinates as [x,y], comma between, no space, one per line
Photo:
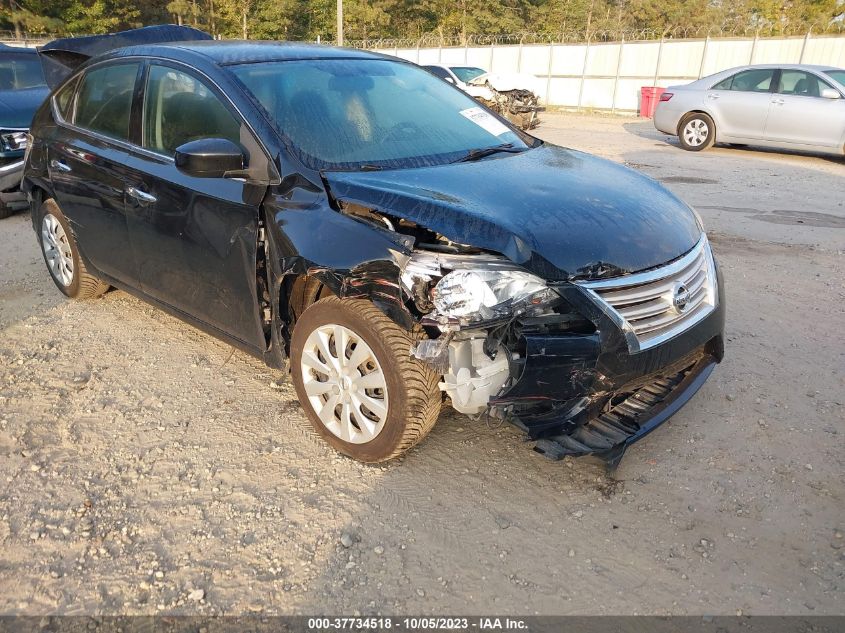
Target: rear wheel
[696,132]
[355,377]
[62,255]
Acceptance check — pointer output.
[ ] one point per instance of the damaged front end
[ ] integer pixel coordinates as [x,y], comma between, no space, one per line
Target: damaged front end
[512,96]
[585,319]
[558,360]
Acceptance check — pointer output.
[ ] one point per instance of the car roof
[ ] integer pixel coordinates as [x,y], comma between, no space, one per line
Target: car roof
[225,52]
[815,67]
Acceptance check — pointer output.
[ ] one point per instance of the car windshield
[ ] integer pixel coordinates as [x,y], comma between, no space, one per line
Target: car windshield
[20,71]
[467,73]
[837,75]
[371,113]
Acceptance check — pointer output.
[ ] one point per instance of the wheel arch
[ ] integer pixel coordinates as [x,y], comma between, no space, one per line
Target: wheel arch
[697,111]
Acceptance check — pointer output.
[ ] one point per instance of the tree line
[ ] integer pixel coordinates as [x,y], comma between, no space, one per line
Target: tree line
[455,20]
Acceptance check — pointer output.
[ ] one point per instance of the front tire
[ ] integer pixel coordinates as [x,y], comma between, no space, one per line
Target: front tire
[62,255]
[359,385]
[696,132]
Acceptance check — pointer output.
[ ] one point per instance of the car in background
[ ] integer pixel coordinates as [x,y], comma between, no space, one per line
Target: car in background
[22,91]
[790,106]
[386,237]
[513,95]
[458,75]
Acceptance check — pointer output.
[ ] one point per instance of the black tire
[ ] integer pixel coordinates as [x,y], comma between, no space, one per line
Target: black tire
[696,132]
[412,393]
[6,211]
[82,284]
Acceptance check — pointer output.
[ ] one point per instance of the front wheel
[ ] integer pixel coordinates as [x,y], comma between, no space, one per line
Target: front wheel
[696,132]
[62,255]
[354,375]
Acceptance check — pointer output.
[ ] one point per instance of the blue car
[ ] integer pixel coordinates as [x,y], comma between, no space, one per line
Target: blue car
[22,90]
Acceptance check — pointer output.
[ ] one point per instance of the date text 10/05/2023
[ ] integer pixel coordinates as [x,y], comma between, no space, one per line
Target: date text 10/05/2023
[417,623]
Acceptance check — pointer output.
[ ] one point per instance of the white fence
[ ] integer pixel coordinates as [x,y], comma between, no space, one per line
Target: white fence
[608,76]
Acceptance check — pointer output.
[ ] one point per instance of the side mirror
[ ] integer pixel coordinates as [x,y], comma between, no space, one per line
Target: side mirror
[449,79]
[830,93]
[210,158]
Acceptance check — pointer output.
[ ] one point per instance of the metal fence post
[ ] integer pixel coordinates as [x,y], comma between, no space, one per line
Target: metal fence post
[753,48]
[466,52]
[703,56]
[519,58]
[583,75]
[492,55]
[440,53]
[659,59]
[616,81]
[418,51]
[804,46]
[549,73]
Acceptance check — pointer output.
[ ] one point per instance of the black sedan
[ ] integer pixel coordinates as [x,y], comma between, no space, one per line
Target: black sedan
[350,216]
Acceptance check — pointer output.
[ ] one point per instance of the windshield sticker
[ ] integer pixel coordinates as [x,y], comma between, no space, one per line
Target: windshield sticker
[484,119]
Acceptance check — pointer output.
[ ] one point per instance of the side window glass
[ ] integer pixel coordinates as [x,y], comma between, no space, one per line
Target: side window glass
[757,80]
[437,71]
[725,84]
[798,82]
[178,108]
[64,98]
[105,100]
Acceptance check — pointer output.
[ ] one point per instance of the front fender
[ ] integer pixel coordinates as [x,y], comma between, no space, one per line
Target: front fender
[352,257]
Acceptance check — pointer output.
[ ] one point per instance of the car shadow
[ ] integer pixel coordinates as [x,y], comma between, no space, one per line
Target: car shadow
[645,129]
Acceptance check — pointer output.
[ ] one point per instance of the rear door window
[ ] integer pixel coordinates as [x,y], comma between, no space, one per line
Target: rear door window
[437,71]
[179,108]
[755,80]
[104,102]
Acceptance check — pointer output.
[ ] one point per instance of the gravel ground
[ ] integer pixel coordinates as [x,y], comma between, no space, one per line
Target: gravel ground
[148,468]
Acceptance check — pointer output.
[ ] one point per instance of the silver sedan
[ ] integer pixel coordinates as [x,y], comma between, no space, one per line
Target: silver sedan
[789,106]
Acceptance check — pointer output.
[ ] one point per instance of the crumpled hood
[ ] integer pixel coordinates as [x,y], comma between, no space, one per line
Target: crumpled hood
[560,213]
[17,107]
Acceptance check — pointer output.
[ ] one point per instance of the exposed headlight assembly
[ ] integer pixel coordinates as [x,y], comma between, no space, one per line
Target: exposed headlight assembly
[475,288]
[13,140]
[487,293]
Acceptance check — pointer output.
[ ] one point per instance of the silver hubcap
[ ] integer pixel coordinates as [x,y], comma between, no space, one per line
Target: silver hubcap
[57,250]
[344,383]
[695,132]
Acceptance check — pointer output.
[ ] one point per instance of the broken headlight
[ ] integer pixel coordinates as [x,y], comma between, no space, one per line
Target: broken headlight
[486,293]
[12,140]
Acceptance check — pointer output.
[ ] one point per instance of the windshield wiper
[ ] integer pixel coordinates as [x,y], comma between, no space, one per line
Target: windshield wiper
[475,154]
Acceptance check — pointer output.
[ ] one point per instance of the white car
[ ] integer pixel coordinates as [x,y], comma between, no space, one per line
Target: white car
[461,76]
[513,95]
[793,106]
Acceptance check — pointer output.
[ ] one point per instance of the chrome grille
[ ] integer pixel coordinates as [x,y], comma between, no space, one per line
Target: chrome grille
[658,304]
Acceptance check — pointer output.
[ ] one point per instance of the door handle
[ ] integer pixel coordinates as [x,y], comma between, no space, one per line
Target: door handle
[141,196]
[713,96]
[778,101]
[60,166]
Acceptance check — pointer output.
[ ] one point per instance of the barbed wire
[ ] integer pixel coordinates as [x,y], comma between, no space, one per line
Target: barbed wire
[435,40]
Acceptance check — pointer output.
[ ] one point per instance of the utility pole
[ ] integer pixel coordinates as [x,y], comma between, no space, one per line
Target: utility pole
[340,22]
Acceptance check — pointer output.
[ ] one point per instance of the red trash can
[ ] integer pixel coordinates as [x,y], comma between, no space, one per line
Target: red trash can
[650,97]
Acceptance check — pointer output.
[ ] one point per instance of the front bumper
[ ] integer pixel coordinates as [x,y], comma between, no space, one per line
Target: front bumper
[580,394]
[11,174]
